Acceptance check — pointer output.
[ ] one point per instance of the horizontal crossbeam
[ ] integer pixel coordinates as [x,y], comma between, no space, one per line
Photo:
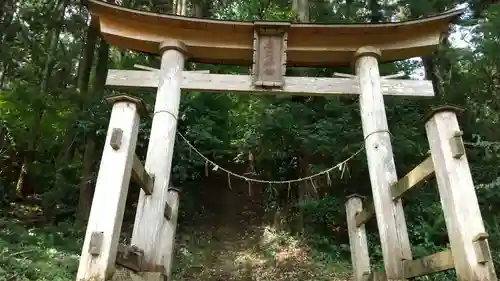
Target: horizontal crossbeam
[434,263]
[365,215]
[422,172]
[140,176]
[227,83]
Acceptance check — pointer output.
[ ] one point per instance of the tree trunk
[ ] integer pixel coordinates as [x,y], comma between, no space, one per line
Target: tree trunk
[376,11]
[201,8]
[86,183]
[300,8]
[6,37]
[85,66]
[179,7]
[84,70]
[29,154]
[437,68]
[89,156]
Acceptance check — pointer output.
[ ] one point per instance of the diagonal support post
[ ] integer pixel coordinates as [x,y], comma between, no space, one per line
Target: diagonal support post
[464,223]
[98,255]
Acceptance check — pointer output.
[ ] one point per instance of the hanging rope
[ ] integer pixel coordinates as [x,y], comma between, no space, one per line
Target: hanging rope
[340,165]
[216,167]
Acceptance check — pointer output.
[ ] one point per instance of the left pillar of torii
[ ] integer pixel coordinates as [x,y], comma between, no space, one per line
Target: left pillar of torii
[97,261]
[156,216]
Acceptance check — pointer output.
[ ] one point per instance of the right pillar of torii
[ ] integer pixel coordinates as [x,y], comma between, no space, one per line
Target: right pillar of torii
[390,217]
[153,233]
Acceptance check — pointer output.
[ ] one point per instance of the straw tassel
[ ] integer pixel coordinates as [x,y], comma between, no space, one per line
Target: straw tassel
[314,186]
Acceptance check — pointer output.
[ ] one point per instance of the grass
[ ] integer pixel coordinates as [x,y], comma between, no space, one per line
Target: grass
[41,254]
[220,254]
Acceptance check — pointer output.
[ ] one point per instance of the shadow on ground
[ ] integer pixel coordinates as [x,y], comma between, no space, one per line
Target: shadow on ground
[228,238]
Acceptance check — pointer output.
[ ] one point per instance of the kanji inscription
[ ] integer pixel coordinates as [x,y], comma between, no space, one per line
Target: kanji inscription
[269,54]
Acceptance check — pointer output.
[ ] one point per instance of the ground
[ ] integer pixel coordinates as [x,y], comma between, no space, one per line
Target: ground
[225,240]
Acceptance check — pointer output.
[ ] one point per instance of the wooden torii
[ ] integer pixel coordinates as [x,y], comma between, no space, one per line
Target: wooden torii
[269,47]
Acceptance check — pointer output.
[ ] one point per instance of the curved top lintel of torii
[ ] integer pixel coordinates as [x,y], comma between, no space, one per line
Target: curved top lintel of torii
[232,42]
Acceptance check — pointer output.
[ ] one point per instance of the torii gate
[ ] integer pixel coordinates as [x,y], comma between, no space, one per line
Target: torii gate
[269,47]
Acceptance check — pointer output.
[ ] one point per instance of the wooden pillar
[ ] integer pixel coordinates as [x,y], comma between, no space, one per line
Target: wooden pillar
[106,215]
[149,219]
[168,231]
[357,239]
[467,235]
[390,217]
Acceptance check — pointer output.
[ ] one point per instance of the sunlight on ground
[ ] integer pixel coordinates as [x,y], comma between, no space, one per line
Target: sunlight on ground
[263,254]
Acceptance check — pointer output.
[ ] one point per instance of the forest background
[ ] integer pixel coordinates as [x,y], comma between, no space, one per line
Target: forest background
[53,122]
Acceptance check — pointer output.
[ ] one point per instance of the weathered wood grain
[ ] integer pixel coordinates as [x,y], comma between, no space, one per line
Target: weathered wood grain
[422,172]
[227,83]
[166,253]
[111,189]
[365,215]
[357,239]
[149,221]
[458,197]
[142,177]
[129,257]
[230,42]
[269,54]
[391,222]
[434,263]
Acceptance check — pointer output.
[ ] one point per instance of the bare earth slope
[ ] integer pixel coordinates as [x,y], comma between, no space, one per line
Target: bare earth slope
[228,240]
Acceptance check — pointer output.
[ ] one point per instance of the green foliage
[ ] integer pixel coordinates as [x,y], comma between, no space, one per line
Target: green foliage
[287,137]
[40,254]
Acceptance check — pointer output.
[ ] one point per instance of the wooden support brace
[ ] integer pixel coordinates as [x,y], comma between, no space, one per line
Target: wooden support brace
[458,198]
[357,239]
[98,255]
[139,175]
[434,263]
[365,215]
[130,257]
[419,174]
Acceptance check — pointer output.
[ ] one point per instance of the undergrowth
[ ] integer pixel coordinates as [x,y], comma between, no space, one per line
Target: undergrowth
[262,254]
[51,253]
[41,254]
